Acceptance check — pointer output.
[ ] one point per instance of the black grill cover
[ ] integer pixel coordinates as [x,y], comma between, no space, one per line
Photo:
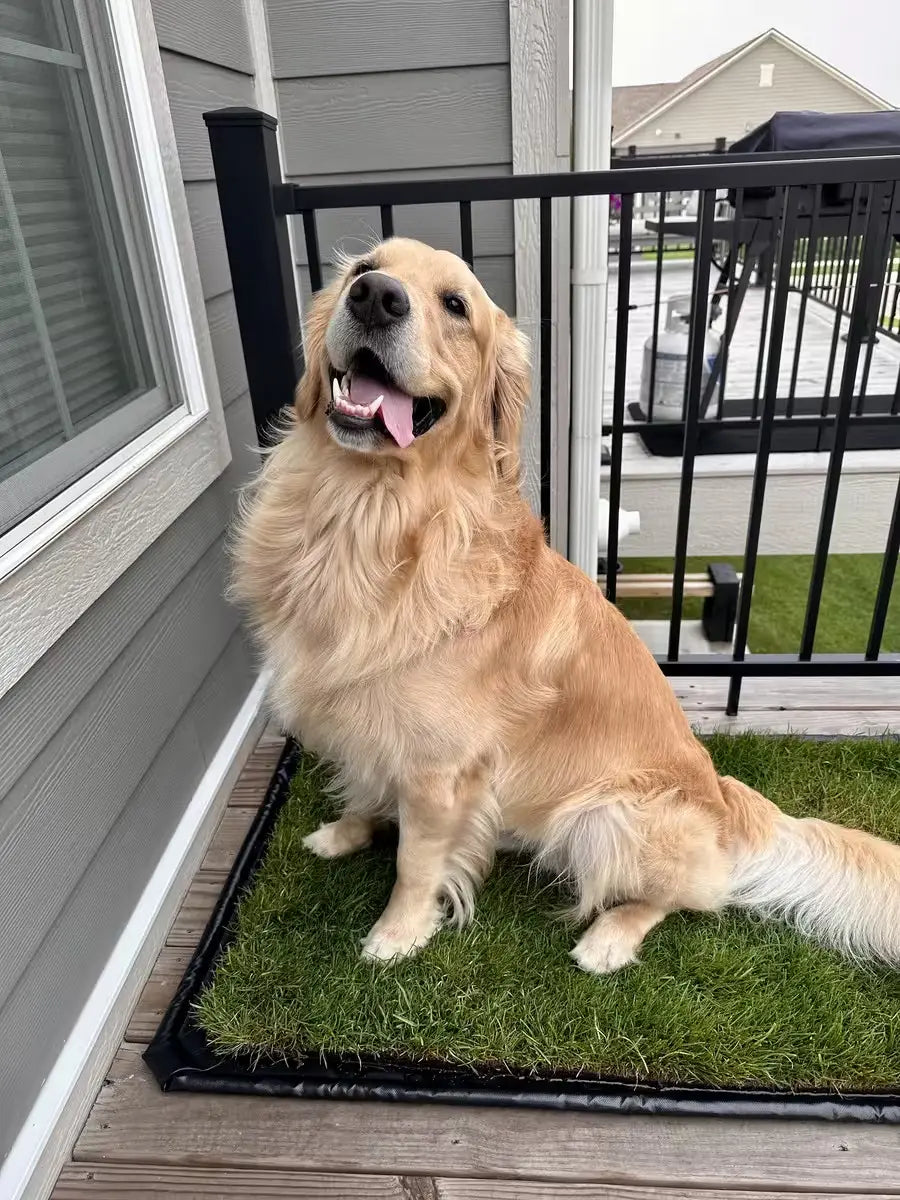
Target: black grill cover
[808,131]
[823,131]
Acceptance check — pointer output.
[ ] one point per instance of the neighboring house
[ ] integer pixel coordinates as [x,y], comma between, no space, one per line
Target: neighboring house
[127,690]
[727,97]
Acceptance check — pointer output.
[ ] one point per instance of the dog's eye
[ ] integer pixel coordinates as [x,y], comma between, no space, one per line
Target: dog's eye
[361,268]
[455,304]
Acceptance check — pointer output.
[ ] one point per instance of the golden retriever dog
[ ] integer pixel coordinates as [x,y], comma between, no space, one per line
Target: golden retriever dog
[469,682]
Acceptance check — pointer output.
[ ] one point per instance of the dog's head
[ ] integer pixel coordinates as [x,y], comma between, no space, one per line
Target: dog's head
[406,355]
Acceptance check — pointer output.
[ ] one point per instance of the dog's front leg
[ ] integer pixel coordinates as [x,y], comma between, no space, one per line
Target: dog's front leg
[429,813]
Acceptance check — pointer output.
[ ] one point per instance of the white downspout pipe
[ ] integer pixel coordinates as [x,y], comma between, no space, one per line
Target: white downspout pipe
[592,112]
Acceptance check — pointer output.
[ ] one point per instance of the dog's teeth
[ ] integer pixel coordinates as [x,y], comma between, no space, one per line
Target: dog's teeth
[335,391]
[376,404]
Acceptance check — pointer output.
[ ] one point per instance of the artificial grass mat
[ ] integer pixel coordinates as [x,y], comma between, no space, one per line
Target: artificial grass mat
[717,999]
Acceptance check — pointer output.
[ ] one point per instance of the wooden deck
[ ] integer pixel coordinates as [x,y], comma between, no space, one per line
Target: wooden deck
[139,1142]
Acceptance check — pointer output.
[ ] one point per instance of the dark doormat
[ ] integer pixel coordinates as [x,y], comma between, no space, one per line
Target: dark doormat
[724,1016]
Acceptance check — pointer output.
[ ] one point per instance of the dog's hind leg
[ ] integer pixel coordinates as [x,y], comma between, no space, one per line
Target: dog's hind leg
[612,941]
[667,857]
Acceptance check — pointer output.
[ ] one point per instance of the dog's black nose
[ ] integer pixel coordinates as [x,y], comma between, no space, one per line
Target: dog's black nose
[377,299]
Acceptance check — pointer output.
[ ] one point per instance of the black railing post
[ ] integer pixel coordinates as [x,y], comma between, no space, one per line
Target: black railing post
[247,169]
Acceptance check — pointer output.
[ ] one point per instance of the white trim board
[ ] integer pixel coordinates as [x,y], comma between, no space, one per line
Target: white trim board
[541,106]
[44,1143]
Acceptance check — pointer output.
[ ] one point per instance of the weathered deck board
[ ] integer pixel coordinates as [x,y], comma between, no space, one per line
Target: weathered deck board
[227,839]
[829,722]
[847,695]
[102,1181]
[158,992]
[196,909]
[254,779]
[504,1189]
[133,1121]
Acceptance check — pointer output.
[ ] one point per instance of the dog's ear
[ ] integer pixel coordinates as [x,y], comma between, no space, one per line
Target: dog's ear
[510,392]
[309,389]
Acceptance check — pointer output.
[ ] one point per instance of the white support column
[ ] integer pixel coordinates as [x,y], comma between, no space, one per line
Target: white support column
[590,274]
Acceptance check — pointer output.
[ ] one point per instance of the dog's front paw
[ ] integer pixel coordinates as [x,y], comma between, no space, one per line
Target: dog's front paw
[388,941]
[339,837]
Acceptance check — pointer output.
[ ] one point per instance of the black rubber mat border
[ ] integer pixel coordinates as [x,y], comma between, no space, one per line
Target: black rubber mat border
[181,1059]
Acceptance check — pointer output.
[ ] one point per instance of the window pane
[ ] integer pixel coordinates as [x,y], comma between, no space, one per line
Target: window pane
[77,377]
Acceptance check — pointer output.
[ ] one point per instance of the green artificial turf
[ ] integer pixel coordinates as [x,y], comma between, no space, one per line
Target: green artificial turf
[779,601]
[716,999]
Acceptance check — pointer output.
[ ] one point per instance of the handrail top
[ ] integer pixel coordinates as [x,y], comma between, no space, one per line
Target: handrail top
[706,172]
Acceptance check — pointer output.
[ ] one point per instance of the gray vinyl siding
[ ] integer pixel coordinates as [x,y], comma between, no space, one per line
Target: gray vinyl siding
[402,89]
[106,738]
[732,103]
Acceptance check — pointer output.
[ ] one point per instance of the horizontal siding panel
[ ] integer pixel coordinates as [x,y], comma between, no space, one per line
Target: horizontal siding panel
[384,175]
[33,711]
[194,88]
[214,30]
[36,1019]
[355,230]
[225,335]
[209,238]
[57,815]
[402,119]
[342,37]
[497,276]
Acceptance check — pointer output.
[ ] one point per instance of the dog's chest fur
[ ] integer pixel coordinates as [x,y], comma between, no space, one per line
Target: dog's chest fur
[361,598]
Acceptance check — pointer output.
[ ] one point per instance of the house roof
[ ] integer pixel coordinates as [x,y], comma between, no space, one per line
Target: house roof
[633,106]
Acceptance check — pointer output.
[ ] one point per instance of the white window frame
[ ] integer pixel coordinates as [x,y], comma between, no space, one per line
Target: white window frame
[57,562]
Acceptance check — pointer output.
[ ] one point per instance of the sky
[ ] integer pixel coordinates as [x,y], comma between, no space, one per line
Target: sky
[658,41]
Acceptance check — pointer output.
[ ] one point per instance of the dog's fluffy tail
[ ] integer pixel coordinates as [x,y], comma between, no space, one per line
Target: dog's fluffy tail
[839,886]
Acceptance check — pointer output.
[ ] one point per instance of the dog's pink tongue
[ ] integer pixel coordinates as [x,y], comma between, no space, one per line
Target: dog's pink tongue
[396,407]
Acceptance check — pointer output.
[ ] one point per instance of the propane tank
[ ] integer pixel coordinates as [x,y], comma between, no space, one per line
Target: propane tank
[628,522]
[670,379]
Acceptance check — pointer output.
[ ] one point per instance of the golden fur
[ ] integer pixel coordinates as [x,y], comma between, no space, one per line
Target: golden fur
[468,680]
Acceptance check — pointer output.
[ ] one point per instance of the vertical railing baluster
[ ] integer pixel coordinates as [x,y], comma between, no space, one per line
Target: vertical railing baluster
[546,344]
[730,314]
[465,232]
[657,293]
[885,583]
[878,279]
[764,324]
[696,351]
[804,296]
[311,237]
[623,298]
[889,257]
[858,317]
[764,442]
[838,317]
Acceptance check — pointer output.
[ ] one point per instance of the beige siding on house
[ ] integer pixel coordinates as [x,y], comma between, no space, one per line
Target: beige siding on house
[732,102]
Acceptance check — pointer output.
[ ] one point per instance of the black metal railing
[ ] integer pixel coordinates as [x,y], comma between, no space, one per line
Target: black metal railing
[778,203]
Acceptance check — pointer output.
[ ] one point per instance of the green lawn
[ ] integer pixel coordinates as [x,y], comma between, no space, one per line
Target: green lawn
[725,1000]
[779,601]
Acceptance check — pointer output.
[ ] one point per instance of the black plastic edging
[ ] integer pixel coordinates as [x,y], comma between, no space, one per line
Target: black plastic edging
[181,1060]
